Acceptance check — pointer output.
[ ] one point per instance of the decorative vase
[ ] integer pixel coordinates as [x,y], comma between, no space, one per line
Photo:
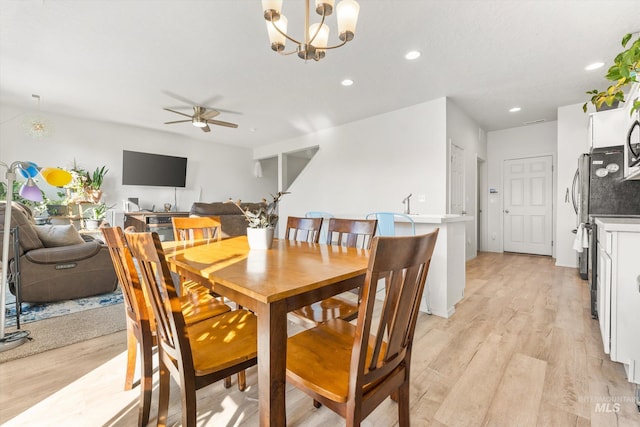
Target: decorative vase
[260,238]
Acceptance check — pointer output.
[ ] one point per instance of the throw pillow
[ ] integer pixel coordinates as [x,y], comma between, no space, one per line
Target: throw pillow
[58,235]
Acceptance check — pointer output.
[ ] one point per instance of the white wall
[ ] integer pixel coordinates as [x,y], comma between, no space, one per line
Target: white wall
[526,141]
[372,164]
[215,171]
[465,133]
[572,141]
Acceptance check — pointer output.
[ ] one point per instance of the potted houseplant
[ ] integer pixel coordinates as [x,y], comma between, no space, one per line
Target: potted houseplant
[261,222]
[98,213]
[622,73]
[93,183]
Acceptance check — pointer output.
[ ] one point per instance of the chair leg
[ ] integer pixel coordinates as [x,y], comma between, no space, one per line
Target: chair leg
[403,404]
[227,382]
[189,414]
[132,350]
[163,398]
[146,383]
[242,380]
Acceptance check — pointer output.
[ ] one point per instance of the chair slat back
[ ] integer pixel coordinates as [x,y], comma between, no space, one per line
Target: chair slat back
[303,229]
[135,302]
[404,263]
[353,233]
[156,278]
[197,228]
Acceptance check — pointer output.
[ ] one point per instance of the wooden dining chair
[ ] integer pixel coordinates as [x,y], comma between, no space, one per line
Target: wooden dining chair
[356,233]
[197,354]
[197,228]
[350,368]
[303,229]
[141,325]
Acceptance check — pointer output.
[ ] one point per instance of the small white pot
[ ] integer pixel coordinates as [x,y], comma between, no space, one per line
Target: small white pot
[260,238]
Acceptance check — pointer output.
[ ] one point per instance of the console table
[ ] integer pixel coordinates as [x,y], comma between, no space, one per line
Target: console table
[160,222]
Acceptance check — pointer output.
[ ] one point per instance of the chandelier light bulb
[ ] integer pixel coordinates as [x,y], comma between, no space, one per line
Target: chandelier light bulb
[316,35]
[347,11]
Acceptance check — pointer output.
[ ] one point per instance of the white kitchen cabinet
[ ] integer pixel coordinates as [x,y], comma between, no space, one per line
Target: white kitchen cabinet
[619,291]
[604,293]
[608,128]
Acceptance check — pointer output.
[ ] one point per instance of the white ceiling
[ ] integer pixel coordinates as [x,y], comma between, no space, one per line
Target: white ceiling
[123,61]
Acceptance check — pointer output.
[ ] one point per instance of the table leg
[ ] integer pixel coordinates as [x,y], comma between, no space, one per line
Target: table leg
[272,350]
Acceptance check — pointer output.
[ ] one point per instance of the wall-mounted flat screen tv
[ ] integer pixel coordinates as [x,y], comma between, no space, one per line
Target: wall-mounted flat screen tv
[153,169]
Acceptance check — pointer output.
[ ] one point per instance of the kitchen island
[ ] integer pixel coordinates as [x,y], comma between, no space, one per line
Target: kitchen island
[446,280]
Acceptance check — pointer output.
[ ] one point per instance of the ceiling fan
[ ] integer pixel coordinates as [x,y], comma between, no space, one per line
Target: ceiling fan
[202,117]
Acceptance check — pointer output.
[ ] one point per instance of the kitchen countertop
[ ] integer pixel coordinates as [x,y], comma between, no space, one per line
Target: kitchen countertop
[436,219]
[618,224]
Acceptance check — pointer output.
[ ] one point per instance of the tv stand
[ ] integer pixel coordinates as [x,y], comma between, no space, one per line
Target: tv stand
[160,222]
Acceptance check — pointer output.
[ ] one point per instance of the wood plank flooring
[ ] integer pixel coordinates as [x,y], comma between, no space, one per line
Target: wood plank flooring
[521,350]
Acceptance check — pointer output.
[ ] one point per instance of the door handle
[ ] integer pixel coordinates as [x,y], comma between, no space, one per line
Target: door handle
[506,211]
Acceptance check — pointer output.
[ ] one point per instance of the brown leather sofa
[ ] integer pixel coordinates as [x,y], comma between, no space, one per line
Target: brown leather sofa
[57,273]
[232,220]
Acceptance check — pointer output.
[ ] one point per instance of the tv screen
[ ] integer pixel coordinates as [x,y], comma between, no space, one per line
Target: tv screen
[153,169]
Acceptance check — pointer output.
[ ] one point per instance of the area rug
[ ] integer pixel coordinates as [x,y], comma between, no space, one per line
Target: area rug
[64,330]
[32,312]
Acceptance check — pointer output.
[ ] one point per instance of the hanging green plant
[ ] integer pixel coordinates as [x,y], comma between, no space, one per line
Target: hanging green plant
[623,72]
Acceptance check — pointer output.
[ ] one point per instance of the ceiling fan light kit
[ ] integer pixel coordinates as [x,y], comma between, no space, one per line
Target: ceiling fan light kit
[201,118]
[316,37]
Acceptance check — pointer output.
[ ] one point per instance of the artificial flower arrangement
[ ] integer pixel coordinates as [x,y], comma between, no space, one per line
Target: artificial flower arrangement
[266,216]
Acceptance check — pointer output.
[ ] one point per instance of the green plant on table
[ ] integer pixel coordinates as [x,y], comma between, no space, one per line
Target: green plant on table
[622,73]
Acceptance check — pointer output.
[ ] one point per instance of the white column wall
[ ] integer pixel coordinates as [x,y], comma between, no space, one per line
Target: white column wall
[465,133]
[572,141]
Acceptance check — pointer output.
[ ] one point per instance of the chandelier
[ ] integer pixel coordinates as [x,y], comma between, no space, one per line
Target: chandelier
[316,35]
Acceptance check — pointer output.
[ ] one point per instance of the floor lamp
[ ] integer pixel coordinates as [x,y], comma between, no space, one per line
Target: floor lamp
[30,191]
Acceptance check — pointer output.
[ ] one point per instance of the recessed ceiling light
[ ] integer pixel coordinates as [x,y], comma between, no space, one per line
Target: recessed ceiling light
[514,109]
[412,54]
[347,82]
[594,66]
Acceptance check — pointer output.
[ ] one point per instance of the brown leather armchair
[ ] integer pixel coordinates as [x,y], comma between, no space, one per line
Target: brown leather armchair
[57,273]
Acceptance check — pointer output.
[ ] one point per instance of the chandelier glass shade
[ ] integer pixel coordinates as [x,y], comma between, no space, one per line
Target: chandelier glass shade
[316,35]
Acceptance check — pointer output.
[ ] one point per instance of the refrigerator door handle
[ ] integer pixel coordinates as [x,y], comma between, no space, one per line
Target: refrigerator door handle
[574,189]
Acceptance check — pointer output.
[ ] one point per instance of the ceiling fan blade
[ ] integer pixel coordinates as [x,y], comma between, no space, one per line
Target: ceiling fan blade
[206,129]
[179,97]
[221,123]
[210,114]
[177,112]
[222,110]
[176,121]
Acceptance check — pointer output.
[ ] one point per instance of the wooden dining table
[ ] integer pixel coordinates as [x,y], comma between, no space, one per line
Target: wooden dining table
[270,283]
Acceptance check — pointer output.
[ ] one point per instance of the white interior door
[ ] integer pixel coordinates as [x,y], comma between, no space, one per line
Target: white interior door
[528,209]
[456,181]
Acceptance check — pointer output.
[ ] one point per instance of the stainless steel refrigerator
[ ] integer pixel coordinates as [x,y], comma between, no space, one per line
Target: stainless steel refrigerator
[599,190]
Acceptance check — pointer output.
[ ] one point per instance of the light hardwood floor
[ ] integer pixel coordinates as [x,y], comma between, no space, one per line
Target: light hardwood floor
[521,350]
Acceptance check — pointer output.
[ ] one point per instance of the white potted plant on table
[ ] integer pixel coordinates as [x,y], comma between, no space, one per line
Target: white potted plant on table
[261,222]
